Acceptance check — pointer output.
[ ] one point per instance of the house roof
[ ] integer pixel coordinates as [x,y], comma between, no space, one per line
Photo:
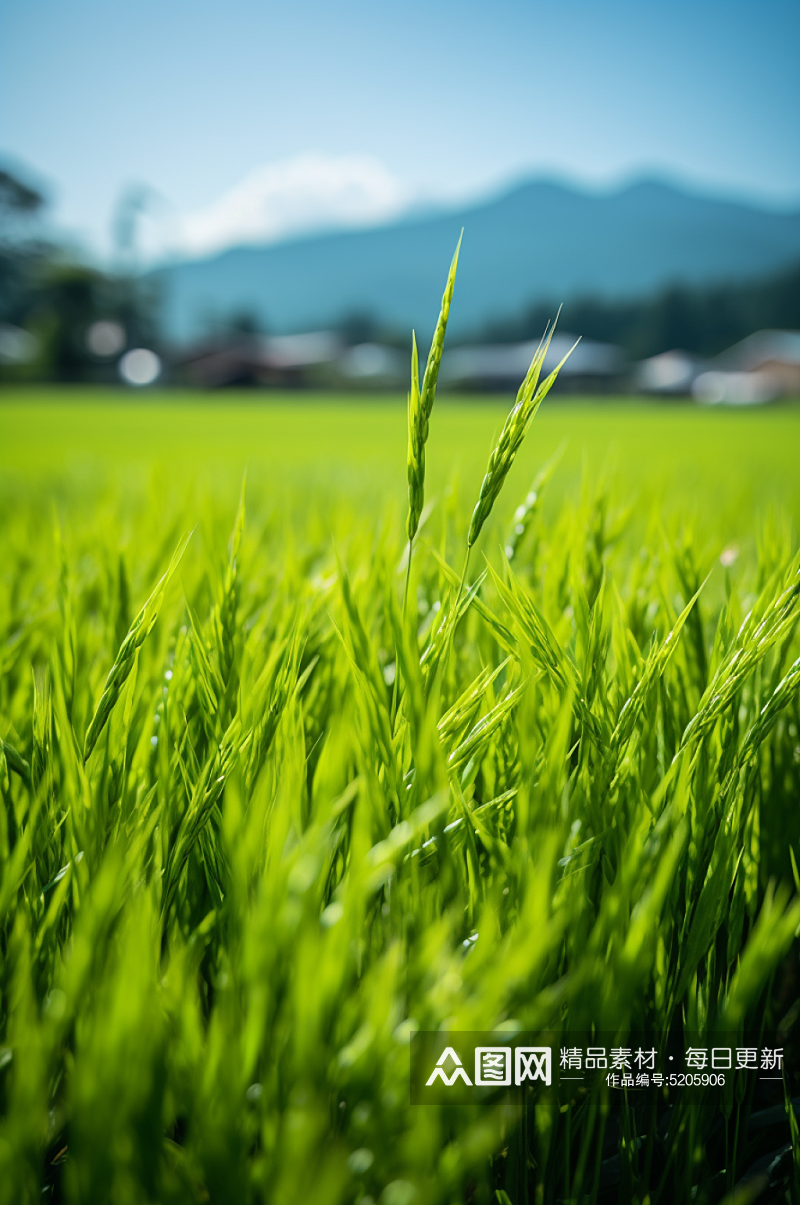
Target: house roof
[499,361]
[763,347]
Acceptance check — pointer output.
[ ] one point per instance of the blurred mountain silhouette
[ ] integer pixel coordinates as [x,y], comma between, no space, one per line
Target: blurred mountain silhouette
[540,240]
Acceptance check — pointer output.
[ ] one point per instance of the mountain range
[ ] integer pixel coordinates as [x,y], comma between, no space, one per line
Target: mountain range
[541,240]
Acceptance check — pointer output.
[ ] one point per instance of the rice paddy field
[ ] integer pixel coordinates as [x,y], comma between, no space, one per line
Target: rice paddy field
[276,797]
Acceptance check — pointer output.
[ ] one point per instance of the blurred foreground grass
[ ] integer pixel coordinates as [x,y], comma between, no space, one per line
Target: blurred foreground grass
[242,868]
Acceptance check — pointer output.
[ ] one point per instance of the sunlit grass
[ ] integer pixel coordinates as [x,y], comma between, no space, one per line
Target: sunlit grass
[237,872]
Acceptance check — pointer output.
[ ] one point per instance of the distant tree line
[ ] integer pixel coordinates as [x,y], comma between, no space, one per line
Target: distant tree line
[55,298]
[703,320]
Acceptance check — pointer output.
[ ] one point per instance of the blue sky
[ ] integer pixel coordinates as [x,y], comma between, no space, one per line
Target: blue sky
[405,102]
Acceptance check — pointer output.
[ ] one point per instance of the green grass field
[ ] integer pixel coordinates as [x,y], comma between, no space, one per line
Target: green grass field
[262,821]
[747,455]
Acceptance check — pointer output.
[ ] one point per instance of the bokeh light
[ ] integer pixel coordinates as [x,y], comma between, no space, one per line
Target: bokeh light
[140,366]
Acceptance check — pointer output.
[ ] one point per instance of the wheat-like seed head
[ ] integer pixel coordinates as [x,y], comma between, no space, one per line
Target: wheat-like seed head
[126,655]
[420,403]
[529,398]
[525,512]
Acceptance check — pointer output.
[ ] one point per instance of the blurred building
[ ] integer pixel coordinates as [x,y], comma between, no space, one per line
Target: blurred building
[593,367]
[672,373]
[764,366]
[225,361]
[374,365]
[772,355]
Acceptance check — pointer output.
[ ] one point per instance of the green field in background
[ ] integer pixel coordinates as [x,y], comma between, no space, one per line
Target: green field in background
[689,459]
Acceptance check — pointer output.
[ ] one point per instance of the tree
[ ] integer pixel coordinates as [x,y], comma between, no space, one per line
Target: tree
[22,248]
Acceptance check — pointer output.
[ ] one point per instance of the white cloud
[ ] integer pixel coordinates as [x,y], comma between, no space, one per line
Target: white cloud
[294,196]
